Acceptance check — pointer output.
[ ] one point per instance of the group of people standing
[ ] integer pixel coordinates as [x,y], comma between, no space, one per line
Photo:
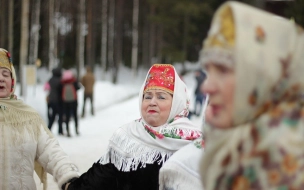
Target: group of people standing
[253,137]
[62,99]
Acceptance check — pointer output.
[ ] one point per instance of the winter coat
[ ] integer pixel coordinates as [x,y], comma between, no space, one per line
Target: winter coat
[25,143]
[88,81]
[54,82]
[108,177]
[200,78]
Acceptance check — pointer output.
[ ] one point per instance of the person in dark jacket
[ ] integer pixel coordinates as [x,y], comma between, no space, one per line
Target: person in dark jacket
[88,81]
[200,77]
[55,100]
[137,150]
[69,87]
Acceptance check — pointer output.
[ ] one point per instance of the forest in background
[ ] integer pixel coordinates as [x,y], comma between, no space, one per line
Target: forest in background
[110,33]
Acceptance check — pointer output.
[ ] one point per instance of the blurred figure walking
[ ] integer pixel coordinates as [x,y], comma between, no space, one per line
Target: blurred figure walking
[200,77]
[69,89]
[88,81]
[54,99]
[200,97]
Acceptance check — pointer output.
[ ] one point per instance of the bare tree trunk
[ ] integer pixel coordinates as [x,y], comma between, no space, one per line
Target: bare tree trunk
[2,16]
[3,22]
[11,26]
[111,39]
[56,11]
[34,36]
[89,39]
[135,37]
[145,43]
[104,36]
[152,38]
[23,41]
[80,41]
[185,38]
[94,29]
[118,58]
[117,49]
[159,43]
[52,62]
[44,48]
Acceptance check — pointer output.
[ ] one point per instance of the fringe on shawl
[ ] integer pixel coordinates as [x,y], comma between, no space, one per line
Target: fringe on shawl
[27,123]
[127,153]
[176,176]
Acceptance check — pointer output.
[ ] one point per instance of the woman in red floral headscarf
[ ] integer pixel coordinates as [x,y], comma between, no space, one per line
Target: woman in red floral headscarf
[138,149]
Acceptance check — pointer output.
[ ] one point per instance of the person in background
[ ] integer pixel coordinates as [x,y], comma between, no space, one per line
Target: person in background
[26,144]
[47,88]
[69,87]
[200,77]
[55,100]
[255,131]
[138,150]
[88,81]
[200,97]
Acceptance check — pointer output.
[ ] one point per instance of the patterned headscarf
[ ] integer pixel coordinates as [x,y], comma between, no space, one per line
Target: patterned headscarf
[263,149]
[6,62]
[160,76]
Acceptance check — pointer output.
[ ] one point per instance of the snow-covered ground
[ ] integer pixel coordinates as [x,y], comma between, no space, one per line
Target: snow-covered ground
[114,105]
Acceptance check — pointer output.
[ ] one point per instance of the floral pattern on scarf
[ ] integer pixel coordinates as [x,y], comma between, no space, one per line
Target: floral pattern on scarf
[263,149]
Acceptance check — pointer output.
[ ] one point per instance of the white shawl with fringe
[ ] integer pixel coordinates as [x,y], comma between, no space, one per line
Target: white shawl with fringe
[136,143]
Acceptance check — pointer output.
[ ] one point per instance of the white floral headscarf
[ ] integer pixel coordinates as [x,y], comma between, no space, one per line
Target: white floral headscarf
[137,144]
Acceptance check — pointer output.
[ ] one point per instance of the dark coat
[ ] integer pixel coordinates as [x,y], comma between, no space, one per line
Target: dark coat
[200,78]
[55,86]
[108,177]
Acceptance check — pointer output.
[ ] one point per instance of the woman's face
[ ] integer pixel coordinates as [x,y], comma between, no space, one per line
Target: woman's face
[5,82]
[156,107]
[220,85]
